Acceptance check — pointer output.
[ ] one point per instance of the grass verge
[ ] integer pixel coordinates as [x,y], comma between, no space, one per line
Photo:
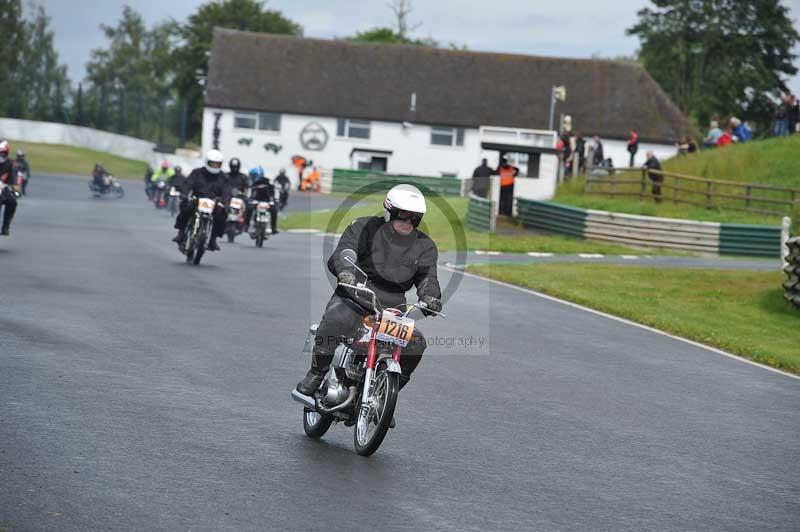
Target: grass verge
[439,224]
[742,312]
[61,159]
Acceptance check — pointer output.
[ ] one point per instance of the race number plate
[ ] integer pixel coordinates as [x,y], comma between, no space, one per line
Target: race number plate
[237,203]
[262,206]
[395,329]
[205,205]
[173,191]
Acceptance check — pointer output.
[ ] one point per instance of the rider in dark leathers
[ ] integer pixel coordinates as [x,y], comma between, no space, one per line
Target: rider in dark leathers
[394,262]
[209,182]
[236,179]
[7,199]
[21,165]
[282,186]
[177,180]
[262,190]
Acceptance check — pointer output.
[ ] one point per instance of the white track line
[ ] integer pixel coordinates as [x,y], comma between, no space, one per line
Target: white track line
[302,231]
[627,322]
[590,255]
[629,257]
[537,254]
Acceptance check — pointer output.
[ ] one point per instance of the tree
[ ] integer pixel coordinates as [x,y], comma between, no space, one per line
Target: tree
[77,117]
[41,77]
[715,57]
[389,36]
[12,45]
[192,55]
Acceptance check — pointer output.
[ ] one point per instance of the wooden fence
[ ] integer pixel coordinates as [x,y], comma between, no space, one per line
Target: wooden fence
[699,191]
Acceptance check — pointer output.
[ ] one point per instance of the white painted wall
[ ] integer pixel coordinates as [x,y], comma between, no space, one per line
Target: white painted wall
[618,151]
[85,137]
[411,147]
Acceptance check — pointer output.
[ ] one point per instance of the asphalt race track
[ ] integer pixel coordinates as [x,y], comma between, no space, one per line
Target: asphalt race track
[140,393]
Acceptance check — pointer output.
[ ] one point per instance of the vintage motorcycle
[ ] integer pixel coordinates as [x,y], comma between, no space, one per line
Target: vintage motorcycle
[160,194]
[363,381]
[235,224]
[262,223]
[111,187]
[198,231]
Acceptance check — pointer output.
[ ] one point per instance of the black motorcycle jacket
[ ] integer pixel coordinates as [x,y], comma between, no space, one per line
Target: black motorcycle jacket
[282,180]
[204,184]
[263,190]
[178,181]
[238,182]
[394,263]
[7,172]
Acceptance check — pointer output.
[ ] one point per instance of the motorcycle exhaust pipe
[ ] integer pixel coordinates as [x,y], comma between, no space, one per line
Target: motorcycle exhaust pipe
[304,400]
[322,410]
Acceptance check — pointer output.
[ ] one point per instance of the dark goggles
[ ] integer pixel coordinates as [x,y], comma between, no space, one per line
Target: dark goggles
[414,218]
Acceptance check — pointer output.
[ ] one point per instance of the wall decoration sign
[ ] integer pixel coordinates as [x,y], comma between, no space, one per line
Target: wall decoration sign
[275,148]
[216,131]
[246,141]
[313,137]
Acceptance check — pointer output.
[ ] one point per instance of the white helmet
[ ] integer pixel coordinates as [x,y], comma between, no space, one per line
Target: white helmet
[404,198]
[214,161]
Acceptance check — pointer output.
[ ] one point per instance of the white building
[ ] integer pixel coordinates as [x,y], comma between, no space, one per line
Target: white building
[418,110]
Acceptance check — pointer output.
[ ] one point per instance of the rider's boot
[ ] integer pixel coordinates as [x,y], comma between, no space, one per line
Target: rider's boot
[212,244]
[5,231]
[313,379]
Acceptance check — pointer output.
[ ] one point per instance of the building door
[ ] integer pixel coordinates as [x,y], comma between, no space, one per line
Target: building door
[378,164]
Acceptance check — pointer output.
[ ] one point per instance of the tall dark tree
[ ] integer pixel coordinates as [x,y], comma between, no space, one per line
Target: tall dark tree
[192,55]
[77,118]
[12,44]
[719,57]
[42,77]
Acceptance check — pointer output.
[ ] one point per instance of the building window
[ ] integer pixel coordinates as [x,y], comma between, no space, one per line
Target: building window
[354,129]
[269,121]
[263,121]
[447,136]
[245,120]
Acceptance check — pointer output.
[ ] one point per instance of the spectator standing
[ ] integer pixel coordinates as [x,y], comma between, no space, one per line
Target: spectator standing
[633,146]
[782,117]
[741,133]
[714,133]
[480,179]
[650,164]
[580,149]
[597,155]
[508,172]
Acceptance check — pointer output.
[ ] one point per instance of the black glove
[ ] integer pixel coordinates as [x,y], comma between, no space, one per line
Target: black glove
[346,277]
[431,303]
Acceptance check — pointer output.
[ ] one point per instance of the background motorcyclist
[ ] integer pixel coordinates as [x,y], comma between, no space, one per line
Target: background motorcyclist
[164,173]
[21,165]
[238,182]
[7,199]
[282,186]
[395,256]
[262,190]
[177,180]
[210,182]
[99,177]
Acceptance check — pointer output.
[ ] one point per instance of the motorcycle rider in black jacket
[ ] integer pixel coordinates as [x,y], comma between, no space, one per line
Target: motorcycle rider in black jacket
[7,199]
[238,182]
[395,256]
[282,186]
[262,190]
[208,181]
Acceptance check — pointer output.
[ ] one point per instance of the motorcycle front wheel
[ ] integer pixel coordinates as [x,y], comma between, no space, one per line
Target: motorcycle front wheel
[315,424]
[374,418]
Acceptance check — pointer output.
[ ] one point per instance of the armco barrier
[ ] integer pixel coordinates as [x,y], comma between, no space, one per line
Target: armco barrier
[479,214]
[648,231]
[353,180]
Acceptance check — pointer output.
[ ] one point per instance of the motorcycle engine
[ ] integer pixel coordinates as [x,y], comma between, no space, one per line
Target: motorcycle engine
[335,393]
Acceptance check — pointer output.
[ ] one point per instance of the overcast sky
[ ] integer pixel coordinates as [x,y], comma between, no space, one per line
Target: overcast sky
[577,28]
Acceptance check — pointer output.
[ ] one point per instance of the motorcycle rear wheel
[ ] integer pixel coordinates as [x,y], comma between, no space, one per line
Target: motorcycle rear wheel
[315,424]
[371,426]
[260,237]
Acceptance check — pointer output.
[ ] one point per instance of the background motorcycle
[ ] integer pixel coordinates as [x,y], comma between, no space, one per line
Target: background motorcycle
[160,194]
[362,383]
[262,223]
[199,230]
[111,188]
[19,184]
[281,196]
[235,224]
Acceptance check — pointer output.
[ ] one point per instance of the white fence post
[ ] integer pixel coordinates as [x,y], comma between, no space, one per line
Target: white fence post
[787,223]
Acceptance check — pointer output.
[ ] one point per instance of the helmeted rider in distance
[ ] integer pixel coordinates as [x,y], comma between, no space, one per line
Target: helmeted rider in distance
[7,199]
[396,256]
[238,182]
[21,165]
[262,190]
[207,181]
